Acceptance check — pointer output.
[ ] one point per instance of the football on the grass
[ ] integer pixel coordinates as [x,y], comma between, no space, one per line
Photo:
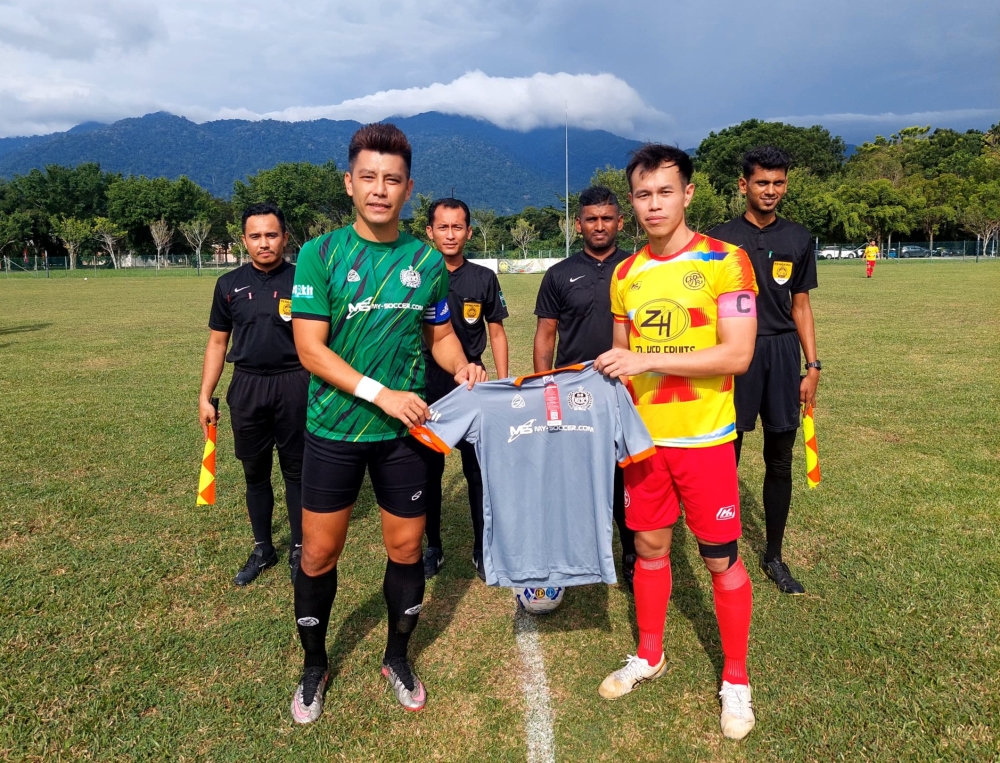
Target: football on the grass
[539,601]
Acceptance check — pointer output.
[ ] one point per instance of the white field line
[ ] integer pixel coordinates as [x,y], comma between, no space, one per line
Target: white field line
[538,711]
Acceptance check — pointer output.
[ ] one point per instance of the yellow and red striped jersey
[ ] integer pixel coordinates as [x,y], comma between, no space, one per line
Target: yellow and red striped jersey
[672,305]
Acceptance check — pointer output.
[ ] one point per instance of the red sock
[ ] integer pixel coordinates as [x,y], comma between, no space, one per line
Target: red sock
[651,584]
[733,603]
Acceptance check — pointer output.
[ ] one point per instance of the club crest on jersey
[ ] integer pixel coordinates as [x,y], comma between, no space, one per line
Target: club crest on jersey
[517,402]
[781,272]
[352,276]
[580,400]
[471,312]
[694,280]
[285,309]
[410,278]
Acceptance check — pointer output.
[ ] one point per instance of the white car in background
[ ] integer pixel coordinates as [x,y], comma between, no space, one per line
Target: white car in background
[839,253]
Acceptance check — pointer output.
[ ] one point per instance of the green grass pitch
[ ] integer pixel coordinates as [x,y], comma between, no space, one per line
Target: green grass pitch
[122,637]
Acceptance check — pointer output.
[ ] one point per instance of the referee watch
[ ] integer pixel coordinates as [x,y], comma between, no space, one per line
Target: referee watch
[815,364]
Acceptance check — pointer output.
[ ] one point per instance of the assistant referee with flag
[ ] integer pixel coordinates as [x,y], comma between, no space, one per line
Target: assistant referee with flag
[267,395]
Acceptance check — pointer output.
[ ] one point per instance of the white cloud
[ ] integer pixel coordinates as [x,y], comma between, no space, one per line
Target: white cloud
[53,29]
[890,118]
[593,101]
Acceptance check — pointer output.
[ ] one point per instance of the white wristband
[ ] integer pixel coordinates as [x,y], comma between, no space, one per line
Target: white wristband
[367,389]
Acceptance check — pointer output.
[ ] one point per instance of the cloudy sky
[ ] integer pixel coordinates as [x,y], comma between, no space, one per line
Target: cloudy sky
[662,69]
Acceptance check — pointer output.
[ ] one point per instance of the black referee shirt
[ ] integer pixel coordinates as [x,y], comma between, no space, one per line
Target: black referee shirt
[256,308]
[474,299]
[783,262]
[577,293]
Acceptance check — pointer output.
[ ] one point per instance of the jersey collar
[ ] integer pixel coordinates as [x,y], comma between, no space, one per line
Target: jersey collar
[575,367]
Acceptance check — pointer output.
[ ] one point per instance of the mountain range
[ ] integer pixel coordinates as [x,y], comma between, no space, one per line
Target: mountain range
[487,166]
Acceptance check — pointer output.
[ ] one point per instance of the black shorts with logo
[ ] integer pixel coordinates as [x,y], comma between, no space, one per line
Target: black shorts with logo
[333,471]
[268,410]
[770,387]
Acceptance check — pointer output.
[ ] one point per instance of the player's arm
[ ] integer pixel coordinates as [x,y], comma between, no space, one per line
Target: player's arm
[802,314]
[737,332]
[211,372]
[545,344]
[498,343]
[311,337]
[446,349]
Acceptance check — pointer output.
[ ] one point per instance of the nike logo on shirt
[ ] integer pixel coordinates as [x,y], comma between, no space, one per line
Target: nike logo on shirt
[574,280]
[241,288]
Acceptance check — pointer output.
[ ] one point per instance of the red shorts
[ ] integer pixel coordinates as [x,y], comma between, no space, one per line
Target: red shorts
[703,479]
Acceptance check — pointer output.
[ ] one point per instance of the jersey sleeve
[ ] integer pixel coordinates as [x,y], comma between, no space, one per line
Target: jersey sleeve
[632,440]
[547,302]
[735,274]
[438,312]
[496,305]
[221,317]
[617,299]
[804,279]
[310,295]
[454,417]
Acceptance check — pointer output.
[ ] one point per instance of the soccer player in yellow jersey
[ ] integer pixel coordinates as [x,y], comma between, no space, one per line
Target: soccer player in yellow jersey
[685,323]
[871,254]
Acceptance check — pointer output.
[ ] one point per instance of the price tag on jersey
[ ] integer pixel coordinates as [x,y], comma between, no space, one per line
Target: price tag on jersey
[553,408]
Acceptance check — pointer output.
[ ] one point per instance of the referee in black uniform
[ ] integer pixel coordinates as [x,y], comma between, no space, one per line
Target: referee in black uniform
[267,394]
[477,310]
[574,302]
[773,387]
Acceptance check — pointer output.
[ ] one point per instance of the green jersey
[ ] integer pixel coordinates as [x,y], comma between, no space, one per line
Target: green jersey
[376,298]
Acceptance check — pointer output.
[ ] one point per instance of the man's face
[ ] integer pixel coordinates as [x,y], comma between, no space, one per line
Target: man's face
[764,189]
[659,198]
[264,240]
[599,225]
[380,186]
[449,231]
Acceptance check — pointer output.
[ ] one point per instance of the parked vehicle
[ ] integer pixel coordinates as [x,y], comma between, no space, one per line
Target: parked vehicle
[914,251]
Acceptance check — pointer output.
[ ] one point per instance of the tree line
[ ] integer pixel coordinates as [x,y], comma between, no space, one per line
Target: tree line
[917,182]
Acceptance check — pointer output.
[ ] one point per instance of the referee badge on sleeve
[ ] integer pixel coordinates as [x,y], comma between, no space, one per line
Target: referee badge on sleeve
[285,309]
[781,272]
[471,312]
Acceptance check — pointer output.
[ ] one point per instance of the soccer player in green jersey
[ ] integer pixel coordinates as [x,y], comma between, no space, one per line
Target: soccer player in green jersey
[363,297]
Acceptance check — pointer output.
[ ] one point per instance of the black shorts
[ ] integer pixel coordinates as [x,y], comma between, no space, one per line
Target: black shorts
[268,410]
[770,387]
[333,470]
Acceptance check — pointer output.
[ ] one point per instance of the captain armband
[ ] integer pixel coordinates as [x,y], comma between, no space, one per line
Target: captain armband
[738,304]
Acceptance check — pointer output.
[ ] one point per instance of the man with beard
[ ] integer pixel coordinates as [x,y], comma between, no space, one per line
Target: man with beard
[785,268]
[574,304]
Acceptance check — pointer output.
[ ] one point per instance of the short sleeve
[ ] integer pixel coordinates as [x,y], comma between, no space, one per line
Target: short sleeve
[735,274]
[804,279]
[496,305]
[438,312]
[617,298]
[310,295]
[632,440]
[455,417]
[547,302]
[221,317]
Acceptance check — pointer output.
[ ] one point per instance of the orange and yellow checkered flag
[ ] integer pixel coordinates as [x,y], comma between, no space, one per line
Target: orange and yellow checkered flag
[206,482]
[812,449]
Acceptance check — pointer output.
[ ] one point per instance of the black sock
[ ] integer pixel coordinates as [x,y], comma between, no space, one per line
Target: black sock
[626,536]
[432,499]
[474,480]
[403,588]
[260,506]
[293,498]
[313,601]
[777,496]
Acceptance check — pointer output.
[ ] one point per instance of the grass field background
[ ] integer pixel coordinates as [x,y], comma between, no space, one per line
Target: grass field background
[122,637]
